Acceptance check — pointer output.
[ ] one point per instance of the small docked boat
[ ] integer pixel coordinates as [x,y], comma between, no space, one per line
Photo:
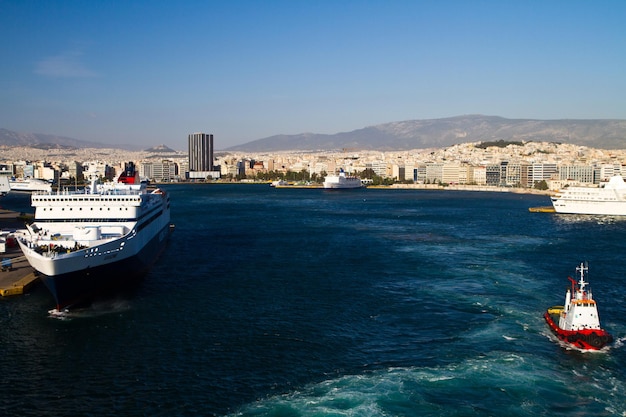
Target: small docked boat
[577,322]
[279,183]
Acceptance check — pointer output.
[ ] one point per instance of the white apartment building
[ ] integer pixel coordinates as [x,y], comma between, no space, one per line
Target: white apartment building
[582,174]
[478,174]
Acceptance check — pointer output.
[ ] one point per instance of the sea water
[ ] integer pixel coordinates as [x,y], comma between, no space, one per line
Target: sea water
[308,302]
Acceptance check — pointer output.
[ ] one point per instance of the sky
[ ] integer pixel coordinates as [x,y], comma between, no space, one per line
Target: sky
[152,72]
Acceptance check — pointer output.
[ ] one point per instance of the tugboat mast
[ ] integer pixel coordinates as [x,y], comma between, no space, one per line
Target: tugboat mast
[582,269]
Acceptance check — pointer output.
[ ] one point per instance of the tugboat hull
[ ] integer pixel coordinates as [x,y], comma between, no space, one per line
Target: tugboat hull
[588,339]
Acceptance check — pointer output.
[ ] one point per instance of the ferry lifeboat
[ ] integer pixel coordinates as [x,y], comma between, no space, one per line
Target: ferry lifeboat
[577,323]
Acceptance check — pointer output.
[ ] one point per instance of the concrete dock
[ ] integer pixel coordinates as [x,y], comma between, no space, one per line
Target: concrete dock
[16,274]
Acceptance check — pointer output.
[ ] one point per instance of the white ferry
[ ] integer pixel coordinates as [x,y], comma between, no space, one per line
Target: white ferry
[29,185]
[5,187]
[98,240]
[342,181]
[607,199]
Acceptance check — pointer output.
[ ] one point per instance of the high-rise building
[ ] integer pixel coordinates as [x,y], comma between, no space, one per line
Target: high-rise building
[200,152]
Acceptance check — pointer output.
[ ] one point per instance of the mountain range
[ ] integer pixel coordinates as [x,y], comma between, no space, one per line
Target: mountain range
[403,135]
[47,141]
[438,133]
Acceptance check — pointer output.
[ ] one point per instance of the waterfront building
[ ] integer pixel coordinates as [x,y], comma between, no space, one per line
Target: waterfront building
[319,168]
[163,171]
[503,173]
[516,174]
[450,173]
[606,171]
[200,152]
[183,166]
[75,171]
[420,173]
[409,173]
[540,172]
[479,174]
[24,169]
[398,172]
[583,174]
[98,169]
[464,174]
[48,173]
[379,168]
[434,173]
[492,174]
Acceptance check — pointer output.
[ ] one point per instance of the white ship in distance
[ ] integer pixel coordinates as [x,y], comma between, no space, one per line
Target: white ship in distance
[607,199]
[342,181]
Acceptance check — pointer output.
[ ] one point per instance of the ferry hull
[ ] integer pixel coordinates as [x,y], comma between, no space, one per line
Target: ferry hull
[342,187]
[82,286]
[588,339]
[615,208]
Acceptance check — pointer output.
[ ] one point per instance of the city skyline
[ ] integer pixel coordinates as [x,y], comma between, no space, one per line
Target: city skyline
[150,72]
[516,165]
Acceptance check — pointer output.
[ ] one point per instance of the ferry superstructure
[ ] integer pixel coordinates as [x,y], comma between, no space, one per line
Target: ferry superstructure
[342,181]
[607,199]
[85,243]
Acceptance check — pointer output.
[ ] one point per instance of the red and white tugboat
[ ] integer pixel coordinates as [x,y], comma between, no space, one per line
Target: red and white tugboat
[577,322]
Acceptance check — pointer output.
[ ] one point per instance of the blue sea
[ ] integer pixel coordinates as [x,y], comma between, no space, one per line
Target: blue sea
[306,302]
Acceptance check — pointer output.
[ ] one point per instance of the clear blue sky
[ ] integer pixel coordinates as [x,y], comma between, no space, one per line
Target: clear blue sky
[151,72]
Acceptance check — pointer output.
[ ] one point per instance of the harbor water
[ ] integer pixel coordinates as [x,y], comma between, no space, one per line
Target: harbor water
[311,302]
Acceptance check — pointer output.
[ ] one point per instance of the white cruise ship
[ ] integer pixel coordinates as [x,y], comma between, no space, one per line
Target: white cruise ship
[607,199]
[342,181]
[95,241]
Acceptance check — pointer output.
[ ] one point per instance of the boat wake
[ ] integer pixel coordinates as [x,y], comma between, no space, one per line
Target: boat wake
[493,384]
[619,342]
[96,309]
[59,314]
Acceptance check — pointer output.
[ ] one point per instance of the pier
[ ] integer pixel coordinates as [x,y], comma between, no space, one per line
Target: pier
[542,209]
[16,274]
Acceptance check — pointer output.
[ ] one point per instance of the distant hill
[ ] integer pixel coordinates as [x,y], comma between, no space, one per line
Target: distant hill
[438,133]
[45,141]
[160,149]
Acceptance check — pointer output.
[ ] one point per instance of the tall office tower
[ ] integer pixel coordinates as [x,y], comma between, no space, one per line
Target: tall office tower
[200,152]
